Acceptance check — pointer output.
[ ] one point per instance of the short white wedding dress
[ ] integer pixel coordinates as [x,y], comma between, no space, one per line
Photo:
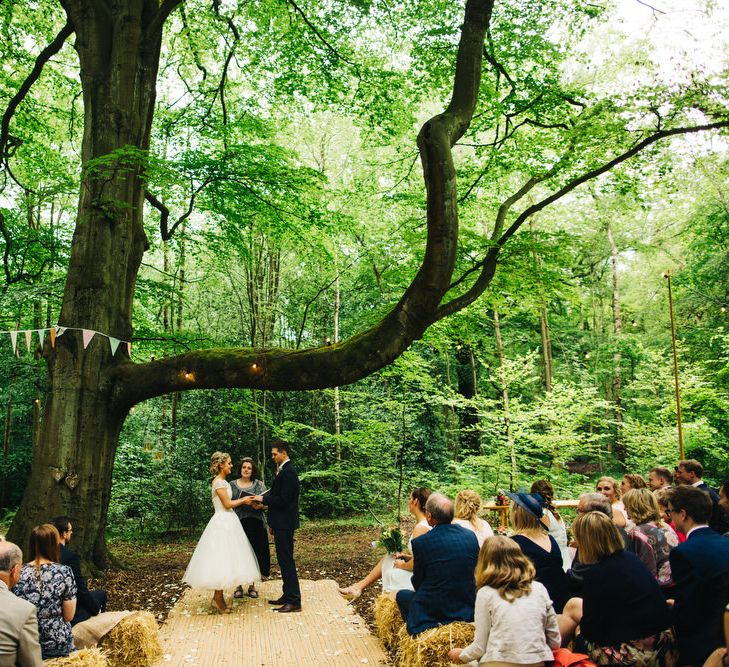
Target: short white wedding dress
[223,557]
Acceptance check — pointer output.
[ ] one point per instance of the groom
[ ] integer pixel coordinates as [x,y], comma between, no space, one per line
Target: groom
[282,500]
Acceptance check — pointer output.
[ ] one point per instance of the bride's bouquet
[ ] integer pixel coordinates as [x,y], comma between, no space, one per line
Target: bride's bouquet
[390,539]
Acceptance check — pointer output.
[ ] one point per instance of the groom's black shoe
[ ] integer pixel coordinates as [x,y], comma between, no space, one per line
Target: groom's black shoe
[278,601]
[288,608]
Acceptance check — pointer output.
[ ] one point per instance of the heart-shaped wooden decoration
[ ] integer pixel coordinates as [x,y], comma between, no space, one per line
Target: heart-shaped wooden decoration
[72,481]
[58,474]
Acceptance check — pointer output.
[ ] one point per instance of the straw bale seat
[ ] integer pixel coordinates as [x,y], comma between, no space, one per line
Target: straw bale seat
[388,620]
[430,648]
[133,642]
[86,657]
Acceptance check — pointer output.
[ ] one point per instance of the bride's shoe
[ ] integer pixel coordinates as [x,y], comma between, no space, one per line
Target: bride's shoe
[220,609]
[351,592]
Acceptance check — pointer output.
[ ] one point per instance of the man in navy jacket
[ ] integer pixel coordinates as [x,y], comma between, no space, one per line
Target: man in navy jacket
[88,603]
[700,568]
[690,472]
[282,500]
[444,560]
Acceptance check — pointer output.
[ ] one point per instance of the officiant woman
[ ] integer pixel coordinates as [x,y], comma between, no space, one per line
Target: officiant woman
[252,519]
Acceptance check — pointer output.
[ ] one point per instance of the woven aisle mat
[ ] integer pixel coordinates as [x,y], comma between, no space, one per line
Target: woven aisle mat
[326,632]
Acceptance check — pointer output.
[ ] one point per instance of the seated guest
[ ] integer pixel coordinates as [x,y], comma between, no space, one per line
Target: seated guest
[637,543]
[514,617]
[18,623]
[396,570]
[662,498]
[631,481]
[645,517]
[660,478]
[51,588]
[724,499]
[552,520]
[609,488]
[444,562]
[720,657]
[622,615]
[88,603]
[700,568]
[689,472]
[540,547]
[468,505]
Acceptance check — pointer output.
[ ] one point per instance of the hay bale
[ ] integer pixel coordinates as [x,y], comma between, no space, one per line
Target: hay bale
[430,648]
[388,619]
[86,657]
[133,642]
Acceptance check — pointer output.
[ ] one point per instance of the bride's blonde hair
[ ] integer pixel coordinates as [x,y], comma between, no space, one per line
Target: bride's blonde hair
[502,565]
[217,460]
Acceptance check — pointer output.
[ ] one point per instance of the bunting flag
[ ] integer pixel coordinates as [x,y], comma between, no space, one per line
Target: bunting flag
[54,332]
[113,344]
[87,335]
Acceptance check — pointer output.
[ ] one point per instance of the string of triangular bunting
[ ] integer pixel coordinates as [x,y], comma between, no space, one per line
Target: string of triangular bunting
[87,336]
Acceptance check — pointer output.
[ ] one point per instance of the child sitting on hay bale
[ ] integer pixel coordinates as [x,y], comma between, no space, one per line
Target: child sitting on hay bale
[514,617]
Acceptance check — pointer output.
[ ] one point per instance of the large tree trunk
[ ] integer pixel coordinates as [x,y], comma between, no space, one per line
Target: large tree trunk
[118,48]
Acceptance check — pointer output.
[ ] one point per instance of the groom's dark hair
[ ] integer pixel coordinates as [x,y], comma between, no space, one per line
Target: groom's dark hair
[281,445]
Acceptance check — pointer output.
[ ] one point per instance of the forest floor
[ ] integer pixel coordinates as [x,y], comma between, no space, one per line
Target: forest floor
[151,576]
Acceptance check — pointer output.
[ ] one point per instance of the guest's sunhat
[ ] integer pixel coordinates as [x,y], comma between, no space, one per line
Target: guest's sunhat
[531,502]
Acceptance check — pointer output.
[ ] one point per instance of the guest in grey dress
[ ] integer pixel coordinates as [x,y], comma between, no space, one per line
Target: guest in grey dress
[252,518]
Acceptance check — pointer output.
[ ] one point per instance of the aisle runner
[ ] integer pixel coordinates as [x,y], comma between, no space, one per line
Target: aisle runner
[326,632]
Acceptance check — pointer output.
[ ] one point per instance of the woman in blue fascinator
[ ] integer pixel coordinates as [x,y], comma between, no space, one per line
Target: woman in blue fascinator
[538,545]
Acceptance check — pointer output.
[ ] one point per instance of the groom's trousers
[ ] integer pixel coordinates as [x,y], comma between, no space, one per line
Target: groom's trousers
[284,541]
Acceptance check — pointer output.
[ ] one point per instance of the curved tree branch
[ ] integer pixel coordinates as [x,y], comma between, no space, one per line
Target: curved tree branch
[319,36]
[43,57]
[488,264]
[370,350]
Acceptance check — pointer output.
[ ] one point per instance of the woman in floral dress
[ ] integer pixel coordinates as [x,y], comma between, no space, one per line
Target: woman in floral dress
[50,586]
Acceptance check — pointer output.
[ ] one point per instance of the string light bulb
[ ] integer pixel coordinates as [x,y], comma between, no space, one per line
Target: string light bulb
[189,376]
[723,308]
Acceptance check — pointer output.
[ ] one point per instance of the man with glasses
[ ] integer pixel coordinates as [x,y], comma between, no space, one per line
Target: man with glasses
[690,472]
[700,569]
[89,603]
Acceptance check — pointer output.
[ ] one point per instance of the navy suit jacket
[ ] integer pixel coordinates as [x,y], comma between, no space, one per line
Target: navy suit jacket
[444,560]
[83,595]
[282,499]
[719,519]
[700,568]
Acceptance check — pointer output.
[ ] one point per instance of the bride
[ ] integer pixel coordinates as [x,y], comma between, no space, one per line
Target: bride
[223,557]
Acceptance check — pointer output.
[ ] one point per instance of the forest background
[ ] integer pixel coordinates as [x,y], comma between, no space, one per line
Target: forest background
[289,177]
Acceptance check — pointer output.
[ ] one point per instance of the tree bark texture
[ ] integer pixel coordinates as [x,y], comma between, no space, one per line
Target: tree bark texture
[118,45]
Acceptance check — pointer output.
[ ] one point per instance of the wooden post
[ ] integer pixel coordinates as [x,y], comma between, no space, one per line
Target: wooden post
[667,276]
